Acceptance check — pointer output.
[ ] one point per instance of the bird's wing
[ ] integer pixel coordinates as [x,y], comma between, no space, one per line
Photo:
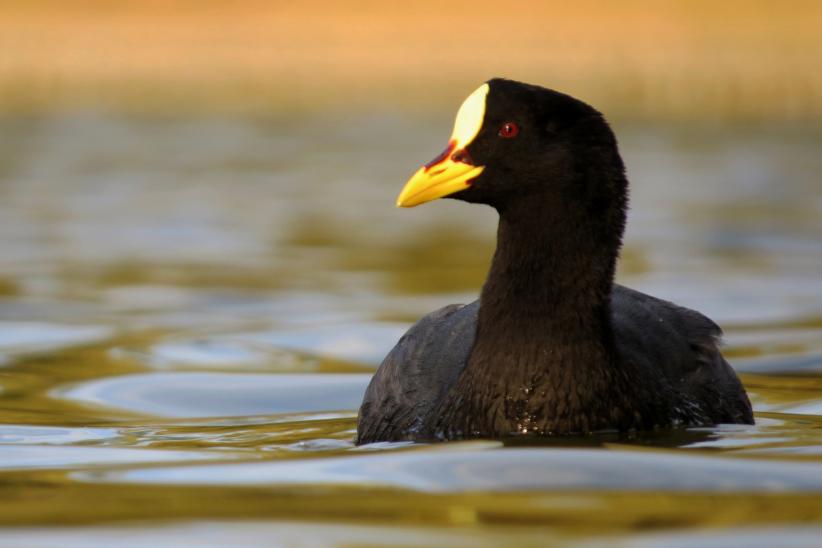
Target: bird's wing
[415,374]
[683,344]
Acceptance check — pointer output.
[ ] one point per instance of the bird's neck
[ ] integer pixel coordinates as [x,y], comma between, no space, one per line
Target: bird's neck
[551,276]
[544,338]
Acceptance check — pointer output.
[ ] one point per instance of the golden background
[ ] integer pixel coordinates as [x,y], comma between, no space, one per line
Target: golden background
[678,60]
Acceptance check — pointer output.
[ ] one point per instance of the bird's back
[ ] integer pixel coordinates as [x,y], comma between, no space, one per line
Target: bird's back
[682,344]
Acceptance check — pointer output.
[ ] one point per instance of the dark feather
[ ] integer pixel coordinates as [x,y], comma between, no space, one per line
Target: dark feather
[663,338]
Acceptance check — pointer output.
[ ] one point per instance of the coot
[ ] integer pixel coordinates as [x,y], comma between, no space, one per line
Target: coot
[553,346]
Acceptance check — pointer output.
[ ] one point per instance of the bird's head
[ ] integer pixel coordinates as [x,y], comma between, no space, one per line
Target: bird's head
[512,141]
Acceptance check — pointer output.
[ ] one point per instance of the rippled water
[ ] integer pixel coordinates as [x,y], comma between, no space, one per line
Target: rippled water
[190,311]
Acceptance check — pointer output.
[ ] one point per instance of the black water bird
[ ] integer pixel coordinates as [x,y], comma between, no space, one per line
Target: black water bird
[552,346]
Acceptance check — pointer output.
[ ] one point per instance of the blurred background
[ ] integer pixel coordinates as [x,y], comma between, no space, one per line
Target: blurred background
[139,138]
[688,60]
[196,195]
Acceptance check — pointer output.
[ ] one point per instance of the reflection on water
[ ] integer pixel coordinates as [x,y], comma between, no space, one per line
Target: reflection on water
[457,469]
[22,337]
[174,291]
[14,457]
[223,394]
[278,533]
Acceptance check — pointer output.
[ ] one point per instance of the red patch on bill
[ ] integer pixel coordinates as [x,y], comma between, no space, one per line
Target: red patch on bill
[444,155]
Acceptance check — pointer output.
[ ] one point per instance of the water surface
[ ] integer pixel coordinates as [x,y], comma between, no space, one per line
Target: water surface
[190,311]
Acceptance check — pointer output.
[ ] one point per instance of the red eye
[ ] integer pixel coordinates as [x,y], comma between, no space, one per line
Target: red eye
[508,130]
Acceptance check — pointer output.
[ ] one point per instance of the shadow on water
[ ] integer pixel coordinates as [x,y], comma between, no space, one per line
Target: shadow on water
[668,438]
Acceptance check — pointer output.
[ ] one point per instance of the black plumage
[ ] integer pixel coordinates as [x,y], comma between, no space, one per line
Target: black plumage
[552,346]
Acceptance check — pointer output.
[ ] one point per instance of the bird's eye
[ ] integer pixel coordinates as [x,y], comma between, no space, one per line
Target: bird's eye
[508,130]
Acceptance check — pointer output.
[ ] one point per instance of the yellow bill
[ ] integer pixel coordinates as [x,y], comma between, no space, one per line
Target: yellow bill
[449,172]
[446,178]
